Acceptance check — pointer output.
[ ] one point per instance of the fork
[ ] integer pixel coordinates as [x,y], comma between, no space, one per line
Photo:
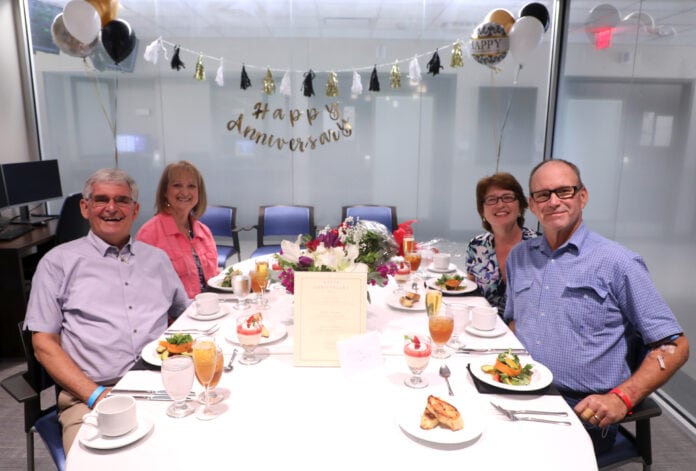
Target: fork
[514,418]
[213,328]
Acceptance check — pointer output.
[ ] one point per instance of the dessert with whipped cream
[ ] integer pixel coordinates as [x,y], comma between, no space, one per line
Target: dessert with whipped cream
[417,351]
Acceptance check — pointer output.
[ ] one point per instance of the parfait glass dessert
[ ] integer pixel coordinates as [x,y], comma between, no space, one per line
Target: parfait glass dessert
[249,329]
[417,351]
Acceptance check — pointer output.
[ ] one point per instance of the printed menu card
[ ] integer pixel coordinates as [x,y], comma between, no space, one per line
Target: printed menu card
[329,307]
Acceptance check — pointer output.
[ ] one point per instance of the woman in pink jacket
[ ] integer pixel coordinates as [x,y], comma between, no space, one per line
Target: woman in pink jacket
[181,200]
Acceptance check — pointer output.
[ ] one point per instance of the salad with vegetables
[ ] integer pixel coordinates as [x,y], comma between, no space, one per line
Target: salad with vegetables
[450,282]
[508,369]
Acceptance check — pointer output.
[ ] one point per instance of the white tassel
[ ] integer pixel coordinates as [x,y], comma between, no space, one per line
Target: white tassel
[219,78]
[356,88]
[152,51]
[285,84]
[414,70]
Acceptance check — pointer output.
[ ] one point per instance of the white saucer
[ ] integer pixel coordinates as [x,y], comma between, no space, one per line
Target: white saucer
[223,311]
[452,268]
[100,442]
[497,332]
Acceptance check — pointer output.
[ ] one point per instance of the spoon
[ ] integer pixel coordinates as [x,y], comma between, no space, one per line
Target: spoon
[229,367]
[445,373]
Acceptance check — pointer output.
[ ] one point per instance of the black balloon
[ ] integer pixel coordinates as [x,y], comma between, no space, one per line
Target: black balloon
[118,39]
[538,11]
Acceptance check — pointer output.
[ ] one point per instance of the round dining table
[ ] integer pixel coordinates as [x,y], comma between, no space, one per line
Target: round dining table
[279,416]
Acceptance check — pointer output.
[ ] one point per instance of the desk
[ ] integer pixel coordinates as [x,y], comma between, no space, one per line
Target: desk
[281,417]
[13,282]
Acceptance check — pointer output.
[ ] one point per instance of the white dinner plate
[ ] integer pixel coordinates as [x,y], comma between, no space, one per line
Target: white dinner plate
[467,286]
[497,332]
[150,355]
[409,415]
[541,375]
[100,442]
[452,268]
[215,282]
[225,308]
[276,331]
[393,302]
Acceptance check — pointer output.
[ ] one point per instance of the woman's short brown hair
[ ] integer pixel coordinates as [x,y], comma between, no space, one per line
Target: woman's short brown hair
[504,181]
[169,170]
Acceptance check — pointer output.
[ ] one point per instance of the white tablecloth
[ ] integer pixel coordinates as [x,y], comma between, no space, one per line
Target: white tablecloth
[277,416]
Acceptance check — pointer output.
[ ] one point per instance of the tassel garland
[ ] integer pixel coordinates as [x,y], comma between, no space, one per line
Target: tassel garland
[332,85]
[268,83]
[434,64]
[374,80]
[219,78]
[285,85]
[245,82]
[177,64]
[457,59]
[395,76]
[357,87]
[199,74]
[307,86]
[414,71]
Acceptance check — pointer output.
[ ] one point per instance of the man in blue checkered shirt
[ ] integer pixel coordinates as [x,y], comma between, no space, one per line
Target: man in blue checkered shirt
[586,307]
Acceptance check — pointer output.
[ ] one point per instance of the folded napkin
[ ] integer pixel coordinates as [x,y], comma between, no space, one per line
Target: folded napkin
[485,388]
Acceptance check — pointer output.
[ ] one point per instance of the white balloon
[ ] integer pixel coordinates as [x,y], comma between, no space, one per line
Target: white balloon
[525,35]
[81,20]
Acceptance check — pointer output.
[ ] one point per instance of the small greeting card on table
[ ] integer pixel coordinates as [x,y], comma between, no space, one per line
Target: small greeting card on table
[329,307]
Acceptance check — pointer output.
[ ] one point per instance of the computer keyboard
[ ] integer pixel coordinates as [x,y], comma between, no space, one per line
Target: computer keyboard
[12,231]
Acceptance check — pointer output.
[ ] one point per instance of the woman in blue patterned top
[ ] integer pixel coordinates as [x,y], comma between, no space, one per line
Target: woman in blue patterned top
[501,203]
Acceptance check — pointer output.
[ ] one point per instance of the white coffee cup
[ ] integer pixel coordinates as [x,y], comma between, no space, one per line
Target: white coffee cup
[113,416]
[207,304]
[484,318]
[441,261]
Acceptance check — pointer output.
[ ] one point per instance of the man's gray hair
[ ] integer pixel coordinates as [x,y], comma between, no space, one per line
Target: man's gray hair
[110,175]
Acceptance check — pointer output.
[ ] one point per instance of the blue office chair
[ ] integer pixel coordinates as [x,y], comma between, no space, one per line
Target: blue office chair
[71,224]
[370,212]
[282,221]
[26,388]
[222,222]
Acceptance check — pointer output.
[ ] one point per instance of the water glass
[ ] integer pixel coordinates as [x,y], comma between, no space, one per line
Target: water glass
[177,377]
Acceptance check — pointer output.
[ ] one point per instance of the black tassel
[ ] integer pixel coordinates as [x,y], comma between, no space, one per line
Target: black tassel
[434,64]
[374,80]
[307,86]
[246,83]
[176,60]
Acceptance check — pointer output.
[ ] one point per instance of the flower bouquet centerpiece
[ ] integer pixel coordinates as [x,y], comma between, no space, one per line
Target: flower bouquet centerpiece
[355,245]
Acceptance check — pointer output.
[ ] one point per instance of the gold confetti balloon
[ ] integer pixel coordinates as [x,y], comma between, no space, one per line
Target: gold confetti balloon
[501,16]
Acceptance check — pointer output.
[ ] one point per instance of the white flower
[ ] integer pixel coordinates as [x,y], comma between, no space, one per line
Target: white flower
[291,250]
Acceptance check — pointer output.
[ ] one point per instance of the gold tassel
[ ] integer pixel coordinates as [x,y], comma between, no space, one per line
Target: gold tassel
[268,83]
[332,85]
[395,76]
[200,70]
[457,59]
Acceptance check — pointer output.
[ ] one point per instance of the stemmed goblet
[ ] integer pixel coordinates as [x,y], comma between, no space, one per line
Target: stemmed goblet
[214,396]
[177,377]
[241,288]
[401,275]
[261,275]
[249,329]
[204,361]
[440,323]
[417,351]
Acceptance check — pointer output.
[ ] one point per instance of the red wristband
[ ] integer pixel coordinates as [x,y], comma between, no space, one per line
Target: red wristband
[622,395]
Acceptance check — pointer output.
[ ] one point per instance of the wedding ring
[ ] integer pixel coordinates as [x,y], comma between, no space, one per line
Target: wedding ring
[597,418]
[587,414]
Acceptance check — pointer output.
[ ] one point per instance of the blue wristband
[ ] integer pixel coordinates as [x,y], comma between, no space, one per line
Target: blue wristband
[95,395]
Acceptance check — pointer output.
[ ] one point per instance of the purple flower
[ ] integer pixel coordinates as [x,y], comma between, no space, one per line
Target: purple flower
[330,238]
[305,262]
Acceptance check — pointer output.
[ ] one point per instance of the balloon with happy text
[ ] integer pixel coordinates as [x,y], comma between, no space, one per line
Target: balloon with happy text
[501,16]
[538,11]
[67,43]
[81,20]
[107,9]
[489,44]
[118,39]
[525,36]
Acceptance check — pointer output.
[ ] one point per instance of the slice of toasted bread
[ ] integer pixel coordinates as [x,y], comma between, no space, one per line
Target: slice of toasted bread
[428,420]
[405,302]
[446,413]
[415,297]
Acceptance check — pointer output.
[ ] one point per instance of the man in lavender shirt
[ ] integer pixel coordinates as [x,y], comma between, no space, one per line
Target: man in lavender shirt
[98,300]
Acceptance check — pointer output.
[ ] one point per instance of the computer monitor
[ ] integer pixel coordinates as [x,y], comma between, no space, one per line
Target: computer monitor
[3,195]
[31,182]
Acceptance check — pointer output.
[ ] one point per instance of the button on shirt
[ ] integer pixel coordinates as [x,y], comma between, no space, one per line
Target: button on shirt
[578,309]
[104,303]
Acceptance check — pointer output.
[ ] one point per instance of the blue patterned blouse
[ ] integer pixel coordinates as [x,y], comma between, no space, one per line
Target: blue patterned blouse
[482,264]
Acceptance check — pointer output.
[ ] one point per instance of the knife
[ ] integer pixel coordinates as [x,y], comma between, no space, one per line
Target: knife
[143,392]
[519,351]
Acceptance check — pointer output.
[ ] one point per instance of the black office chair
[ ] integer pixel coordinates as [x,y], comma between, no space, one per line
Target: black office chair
[222,222]
[372,212]
[71,224]
[281,221]
[26,388]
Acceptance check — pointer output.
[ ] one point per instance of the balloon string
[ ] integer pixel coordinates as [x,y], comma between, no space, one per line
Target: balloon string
[517,74]
[90,72]
[502,130]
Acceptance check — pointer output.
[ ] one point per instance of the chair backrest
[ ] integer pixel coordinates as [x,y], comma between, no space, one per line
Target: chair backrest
[280,220]
[220,220]
[371,212]
[71,224]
